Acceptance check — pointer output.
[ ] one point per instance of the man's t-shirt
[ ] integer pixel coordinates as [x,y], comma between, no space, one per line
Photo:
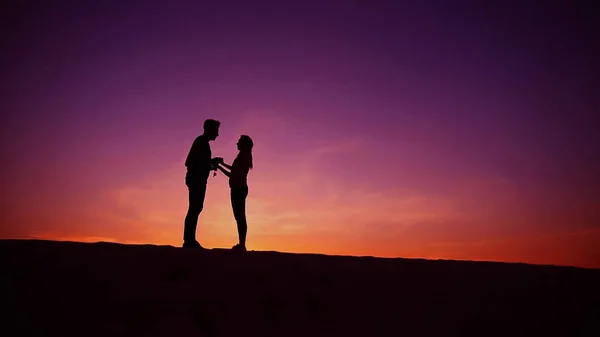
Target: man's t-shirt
[198,161]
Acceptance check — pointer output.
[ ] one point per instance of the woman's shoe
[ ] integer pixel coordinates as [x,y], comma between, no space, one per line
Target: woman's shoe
[192,244]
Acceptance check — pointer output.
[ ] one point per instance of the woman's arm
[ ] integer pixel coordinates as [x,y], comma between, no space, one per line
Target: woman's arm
[227,166]
[227,173]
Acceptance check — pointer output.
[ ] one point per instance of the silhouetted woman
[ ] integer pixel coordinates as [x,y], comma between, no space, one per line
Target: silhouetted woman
[238,183]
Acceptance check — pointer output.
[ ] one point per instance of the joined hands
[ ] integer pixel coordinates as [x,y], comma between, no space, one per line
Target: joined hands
[215,162]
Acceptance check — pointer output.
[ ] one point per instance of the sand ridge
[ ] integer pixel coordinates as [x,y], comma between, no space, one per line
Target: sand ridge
[107,289]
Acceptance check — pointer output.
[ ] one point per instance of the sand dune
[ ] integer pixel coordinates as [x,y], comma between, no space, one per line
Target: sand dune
[106,289]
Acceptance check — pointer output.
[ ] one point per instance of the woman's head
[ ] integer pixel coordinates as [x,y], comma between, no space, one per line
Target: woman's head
[245,143]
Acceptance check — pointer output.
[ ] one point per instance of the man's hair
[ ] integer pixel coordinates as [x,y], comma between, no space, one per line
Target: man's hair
[211,124]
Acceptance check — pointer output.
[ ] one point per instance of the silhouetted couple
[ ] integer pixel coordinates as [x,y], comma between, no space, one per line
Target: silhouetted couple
[199,163]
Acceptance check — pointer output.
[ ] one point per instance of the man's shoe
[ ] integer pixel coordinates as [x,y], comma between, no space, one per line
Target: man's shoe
[192,244]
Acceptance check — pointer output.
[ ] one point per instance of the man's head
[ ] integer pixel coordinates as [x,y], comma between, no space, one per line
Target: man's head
[211,128]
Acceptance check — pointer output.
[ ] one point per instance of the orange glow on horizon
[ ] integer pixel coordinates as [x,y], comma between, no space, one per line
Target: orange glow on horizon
[300,204]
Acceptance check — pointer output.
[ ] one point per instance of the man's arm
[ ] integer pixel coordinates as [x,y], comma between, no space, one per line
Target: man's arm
[199,156]
[192,153]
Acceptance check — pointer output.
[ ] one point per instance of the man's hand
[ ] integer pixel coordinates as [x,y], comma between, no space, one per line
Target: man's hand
[216,161]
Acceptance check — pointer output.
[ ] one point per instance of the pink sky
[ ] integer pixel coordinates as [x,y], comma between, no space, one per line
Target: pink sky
[365,144]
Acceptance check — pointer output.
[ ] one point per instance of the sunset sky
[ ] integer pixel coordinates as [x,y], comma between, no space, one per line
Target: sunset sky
[434,129]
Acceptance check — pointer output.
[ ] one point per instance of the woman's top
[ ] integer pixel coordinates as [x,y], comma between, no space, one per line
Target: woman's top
[239,170]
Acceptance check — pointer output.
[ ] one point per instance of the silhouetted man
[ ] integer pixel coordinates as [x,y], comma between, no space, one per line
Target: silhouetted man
[199,164]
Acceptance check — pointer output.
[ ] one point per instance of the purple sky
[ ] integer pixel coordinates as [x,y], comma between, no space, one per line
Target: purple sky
[486,109]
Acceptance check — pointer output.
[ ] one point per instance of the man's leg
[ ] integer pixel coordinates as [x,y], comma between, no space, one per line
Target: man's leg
[197,192]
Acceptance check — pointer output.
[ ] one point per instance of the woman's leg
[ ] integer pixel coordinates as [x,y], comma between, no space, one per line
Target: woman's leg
[238,204]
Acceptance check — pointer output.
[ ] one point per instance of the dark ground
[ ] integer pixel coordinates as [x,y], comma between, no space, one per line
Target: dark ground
[105,289]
